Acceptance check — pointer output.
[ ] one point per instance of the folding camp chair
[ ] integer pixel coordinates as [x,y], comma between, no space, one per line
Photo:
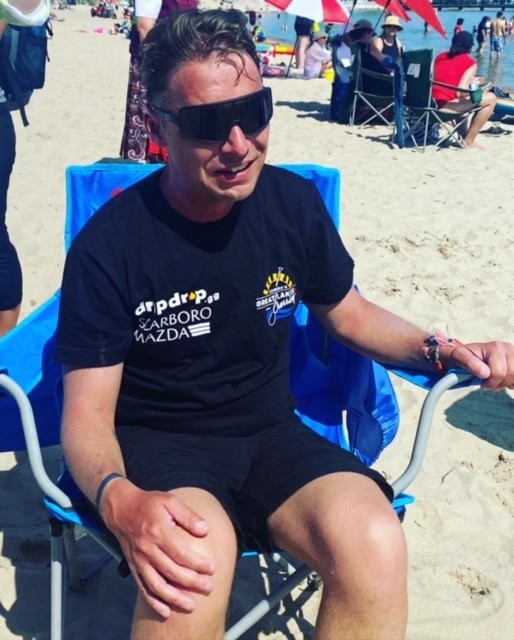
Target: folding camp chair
[424,120]
[340,394]
[378,108]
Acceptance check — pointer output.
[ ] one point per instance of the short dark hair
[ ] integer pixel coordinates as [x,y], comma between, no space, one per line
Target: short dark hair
[192,35]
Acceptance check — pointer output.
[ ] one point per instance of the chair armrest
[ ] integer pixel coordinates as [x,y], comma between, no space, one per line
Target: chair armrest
[451,380]
[47,486]
[474,94]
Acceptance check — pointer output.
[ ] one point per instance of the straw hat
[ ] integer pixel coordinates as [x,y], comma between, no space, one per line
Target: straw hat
[392,21]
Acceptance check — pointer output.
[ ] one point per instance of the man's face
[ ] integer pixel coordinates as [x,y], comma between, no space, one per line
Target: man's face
[207,178]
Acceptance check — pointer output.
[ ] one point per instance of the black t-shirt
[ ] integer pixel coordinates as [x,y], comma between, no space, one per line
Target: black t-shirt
[200,313]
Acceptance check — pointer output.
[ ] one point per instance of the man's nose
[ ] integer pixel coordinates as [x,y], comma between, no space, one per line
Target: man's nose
[236,142]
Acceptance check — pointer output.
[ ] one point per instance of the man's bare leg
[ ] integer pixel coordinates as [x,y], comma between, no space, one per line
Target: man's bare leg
[488,104]
[343,527]
[209,617]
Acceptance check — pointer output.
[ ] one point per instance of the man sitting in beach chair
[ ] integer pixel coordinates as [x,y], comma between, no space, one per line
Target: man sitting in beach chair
[456,69]
[177,302]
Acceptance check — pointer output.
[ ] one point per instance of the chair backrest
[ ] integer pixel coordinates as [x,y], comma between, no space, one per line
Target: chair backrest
[417,70]
[371,82]
[27,352]
[104,180]
[329,381]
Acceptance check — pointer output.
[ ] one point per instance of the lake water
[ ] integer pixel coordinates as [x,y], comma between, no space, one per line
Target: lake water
[501,73]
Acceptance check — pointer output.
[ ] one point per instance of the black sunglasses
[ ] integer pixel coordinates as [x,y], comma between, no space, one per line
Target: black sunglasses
[213,122]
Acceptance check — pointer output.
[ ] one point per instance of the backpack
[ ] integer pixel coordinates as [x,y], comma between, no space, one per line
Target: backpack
[23,57]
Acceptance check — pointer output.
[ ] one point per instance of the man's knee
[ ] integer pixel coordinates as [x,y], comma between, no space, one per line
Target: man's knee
[221,541]
[489,99]
[361,547]
[208,618]
[383,540]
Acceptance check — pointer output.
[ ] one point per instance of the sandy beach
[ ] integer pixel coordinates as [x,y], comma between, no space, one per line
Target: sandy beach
[433,238]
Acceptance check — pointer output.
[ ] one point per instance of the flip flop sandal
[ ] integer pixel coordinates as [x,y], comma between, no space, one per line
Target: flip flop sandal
[496,131]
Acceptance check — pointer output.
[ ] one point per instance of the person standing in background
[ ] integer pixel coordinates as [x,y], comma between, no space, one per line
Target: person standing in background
[20,13]
[303,29]
[135,143]
[497,34]
[482,33]
[459,26]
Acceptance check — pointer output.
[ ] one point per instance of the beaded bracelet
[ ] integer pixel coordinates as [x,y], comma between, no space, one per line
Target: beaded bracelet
[103,484]
[432,349]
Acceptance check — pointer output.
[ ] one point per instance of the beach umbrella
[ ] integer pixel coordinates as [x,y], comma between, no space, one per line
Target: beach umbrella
[328,11]
[425,10]
[395,7]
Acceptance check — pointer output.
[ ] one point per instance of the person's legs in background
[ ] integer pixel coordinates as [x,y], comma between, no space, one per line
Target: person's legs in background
[10,268]
[301,47]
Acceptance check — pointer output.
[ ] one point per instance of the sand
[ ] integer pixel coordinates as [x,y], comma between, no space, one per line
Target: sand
[432,235]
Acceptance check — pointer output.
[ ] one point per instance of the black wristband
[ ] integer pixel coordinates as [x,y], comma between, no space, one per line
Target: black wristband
[103,484]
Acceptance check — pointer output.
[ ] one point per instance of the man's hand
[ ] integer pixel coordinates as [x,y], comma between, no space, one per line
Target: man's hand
[388,62]
[493,362]
[156,531]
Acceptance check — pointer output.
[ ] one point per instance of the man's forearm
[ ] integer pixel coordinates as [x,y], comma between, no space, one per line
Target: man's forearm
[92,453]
[89,440]
[389,339]
[376,332]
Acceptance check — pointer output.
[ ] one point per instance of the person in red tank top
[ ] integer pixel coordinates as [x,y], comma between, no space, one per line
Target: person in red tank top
[457,68]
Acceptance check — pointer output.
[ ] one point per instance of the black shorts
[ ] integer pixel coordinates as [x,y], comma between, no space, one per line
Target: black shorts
[251,476]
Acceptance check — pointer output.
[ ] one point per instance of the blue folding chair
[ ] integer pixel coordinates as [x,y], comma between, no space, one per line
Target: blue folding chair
[342,395]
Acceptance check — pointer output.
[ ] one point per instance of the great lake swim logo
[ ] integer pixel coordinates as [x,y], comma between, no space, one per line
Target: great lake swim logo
[279,297]
[181,316]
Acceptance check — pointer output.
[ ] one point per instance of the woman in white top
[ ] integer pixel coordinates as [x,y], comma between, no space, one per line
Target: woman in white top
[317,56]
[21,13]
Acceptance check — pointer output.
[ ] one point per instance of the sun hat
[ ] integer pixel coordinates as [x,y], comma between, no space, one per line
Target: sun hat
[362,24]
[392,21]
[317,35]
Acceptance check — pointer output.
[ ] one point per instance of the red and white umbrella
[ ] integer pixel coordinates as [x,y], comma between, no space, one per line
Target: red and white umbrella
[328,11]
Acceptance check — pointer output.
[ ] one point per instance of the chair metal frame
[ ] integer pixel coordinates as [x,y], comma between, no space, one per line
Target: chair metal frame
[64,516]
[31,422]
[379,104]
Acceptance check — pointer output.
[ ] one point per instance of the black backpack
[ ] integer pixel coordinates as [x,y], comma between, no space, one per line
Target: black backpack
[23,58]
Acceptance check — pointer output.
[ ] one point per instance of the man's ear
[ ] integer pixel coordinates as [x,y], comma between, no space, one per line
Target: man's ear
[154,127]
